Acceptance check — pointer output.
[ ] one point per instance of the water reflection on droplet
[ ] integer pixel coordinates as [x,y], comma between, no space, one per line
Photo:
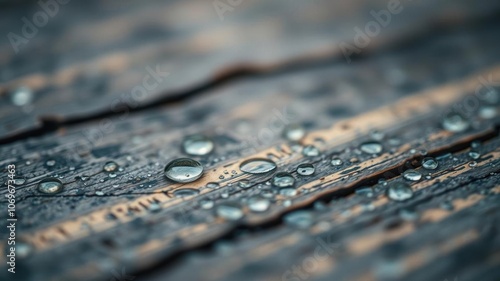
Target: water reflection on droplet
[50,186]
[184,170]
[412,175]
[399,191]
[305,169]
[429,163]
[185,192]
[283,179]
[455,123]
[21,96]
[110,166]
[257,166]
[258,204]
[294,132]
[371,147]
[310,151]
[336,162]
[229,211]
[197,145]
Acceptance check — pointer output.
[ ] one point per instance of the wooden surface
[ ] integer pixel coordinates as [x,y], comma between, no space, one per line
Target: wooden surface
[240,81]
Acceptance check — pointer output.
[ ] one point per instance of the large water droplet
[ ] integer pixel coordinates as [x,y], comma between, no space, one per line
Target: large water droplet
[455,123]
[299,219]
[50,186]
[197,145]
[412,175]
[186,192]
[110,167]
[258,204]
[244,184]
[184,170]
[371,147]
[257,166]
[283,179]
[294,132]
[429,163]
[305,169]
[229,211]
[399,191]
[310,151]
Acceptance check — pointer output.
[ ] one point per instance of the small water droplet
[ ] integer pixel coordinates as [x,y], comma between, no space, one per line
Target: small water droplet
[258,204]
[310,151]
[365,191]
[399,191]
[283,179]
[412,175]
[50,186]
[110,166]
[213,185]
[50,163]
[371,147]
[288,191]
[23,249]
[305,169]
[183,170]
[21,96]
[206,204]
[429,163]
[19,180]
[377,135]
[294,132]
[474,155]
[186,192]
[154,207]
[300,219]
[455,123]
[336,162]
[229,211]
[473,164]
[99,193]
[257,166]
[197,145]
[244,184]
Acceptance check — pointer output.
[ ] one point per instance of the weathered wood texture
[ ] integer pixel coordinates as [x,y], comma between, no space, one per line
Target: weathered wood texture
[100,225]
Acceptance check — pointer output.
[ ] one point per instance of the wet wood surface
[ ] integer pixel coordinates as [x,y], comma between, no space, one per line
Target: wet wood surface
[337,224]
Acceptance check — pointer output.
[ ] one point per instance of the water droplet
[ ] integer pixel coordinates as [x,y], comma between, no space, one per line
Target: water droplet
[412,175]
[184,170]
[257,166]
[487,112]
[213,185]
[377,135]
[283,179]
[197,145]
[336,162]
[99,193]
[21,96]
[473,164]
[429,163]
[294,132]
[110,166]
[19,180]
[455,123]
[50,163]
[186,192]
[23,249]
[474,155]
[229,211]
[305,169]
[371,147]
[300,219]
[399,191]
[365,191]
[310,151]
[154,207]
[206,204]
[258,204]
[288,191]
[50,186]
[244,184]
